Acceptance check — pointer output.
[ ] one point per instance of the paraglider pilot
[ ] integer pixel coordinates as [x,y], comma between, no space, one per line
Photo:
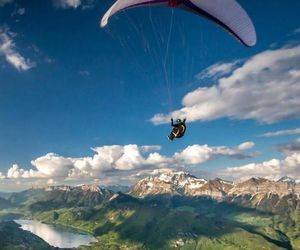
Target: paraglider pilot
[179,129]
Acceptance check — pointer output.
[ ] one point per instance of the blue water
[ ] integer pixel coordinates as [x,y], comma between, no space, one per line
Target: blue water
[55,235]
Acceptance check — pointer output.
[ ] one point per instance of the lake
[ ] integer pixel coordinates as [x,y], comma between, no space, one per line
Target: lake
[56,236]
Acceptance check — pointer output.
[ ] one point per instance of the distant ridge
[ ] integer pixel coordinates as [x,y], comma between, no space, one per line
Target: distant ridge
[259,193]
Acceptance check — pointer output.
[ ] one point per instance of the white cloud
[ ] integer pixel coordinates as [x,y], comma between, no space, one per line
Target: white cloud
[217,70]
[15,172]
[268,169]
[19,12]
[156,159]
[121,162]
[198,154]
[246,145]
[131,158]
[281,133]
[3,2]
[65,4]
[8,50]
[52,165]
[266,88]
[272,169]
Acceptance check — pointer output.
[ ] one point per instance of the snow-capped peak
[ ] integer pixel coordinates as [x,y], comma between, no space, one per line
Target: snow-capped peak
[179,178]
[287,179]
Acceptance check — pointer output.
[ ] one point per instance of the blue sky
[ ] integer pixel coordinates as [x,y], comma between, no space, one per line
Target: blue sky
[73,86]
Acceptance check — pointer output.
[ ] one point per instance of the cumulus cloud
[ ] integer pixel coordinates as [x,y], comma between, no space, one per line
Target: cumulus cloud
[272,169]
[265,88]
[281,133]
[53,165]
[269,169]
[15,172]
[127,162]
[198,154]
[8,50]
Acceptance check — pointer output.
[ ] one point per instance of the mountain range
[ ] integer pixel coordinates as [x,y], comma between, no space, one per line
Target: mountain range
[173,210]
[259,193]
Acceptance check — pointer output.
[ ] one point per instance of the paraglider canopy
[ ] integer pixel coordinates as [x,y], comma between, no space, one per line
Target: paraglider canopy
[226,13]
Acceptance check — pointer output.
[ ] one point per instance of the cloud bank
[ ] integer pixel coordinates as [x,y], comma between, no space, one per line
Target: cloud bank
[265,88]
[272,169]
[118,162]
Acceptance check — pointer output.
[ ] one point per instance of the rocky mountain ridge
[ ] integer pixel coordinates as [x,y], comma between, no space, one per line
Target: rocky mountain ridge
[61,196]
[182,183]
[260,193]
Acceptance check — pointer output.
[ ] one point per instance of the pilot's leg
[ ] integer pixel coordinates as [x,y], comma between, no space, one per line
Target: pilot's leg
[171,137]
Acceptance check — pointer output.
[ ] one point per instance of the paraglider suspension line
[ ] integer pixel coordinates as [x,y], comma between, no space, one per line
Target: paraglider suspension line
[168,85]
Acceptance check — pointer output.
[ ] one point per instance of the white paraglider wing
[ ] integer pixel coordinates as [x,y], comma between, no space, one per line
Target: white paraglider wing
[126,4]
[226,13]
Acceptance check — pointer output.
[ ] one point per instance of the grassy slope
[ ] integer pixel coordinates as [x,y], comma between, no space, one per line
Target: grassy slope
[141,226]
[279,227]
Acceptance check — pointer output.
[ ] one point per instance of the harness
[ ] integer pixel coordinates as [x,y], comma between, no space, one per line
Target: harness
[180,131]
